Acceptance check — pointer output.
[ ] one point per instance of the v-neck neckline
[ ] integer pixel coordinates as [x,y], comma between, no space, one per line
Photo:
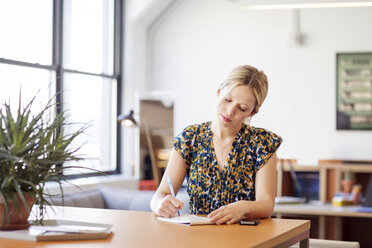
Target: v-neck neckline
[232,147]
[215,160]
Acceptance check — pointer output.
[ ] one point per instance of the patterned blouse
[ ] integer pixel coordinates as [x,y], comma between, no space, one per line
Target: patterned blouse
[208,187]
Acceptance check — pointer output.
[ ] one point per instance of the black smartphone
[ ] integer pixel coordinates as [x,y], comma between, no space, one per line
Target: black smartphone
[247,221]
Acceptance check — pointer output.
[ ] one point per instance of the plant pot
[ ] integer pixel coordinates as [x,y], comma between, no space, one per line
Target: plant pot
[17,218]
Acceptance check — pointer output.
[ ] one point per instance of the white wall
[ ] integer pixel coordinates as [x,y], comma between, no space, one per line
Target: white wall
[139,17]
[195,43]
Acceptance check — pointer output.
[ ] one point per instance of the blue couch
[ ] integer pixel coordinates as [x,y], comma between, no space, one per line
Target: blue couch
[114,198]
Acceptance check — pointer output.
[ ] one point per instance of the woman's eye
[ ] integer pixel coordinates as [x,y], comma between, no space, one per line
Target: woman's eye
[243,110]
[227,100]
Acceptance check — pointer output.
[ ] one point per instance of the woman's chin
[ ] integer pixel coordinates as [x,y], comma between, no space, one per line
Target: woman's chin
[226,123]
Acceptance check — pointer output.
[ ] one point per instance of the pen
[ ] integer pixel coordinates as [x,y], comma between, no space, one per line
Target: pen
[172,191]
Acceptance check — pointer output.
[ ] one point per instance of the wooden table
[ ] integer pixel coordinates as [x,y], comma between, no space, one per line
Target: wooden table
[142,229]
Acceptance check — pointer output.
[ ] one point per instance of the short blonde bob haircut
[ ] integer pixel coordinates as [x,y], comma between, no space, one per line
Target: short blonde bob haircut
[250,76]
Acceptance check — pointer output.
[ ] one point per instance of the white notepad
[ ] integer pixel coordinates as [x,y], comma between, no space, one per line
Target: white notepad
[188,219]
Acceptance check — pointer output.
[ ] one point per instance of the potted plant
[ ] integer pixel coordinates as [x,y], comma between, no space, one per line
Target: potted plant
[33,148]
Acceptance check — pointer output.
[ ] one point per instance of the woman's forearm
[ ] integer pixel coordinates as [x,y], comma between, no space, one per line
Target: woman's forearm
[258,209]
[234,212]
[155,201]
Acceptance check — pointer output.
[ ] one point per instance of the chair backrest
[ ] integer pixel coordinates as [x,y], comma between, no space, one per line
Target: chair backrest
[324,243]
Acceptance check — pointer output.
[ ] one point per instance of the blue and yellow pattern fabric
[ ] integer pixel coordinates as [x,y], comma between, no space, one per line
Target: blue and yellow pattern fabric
[208,187]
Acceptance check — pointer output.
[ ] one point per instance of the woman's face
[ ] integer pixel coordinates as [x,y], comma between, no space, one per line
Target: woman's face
[235,106]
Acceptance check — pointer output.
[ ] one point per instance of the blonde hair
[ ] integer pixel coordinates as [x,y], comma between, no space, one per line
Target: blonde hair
[250,76]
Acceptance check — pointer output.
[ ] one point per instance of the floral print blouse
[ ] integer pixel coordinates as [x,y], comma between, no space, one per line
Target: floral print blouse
[208,187]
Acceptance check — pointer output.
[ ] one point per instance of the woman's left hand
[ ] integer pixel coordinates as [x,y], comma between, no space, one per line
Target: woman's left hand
[228,214]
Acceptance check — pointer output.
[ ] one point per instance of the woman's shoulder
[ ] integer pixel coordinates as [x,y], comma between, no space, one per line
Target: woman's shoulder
[260,133]
[197,128]
[259,130]
[194,131]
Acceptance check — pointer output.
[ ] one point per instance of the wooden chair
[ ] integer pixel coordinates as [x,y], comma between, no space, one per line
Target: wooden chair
[325,243]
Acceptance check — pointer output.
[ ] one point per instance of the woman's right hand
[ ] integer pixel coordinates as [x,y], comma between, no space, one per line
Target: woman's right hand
[168,206]
[163,203]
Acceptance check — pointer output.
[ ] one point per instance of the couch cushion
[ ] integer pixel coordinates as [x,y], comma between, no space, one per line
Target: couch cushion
[86,199]
[126,199]
[136,200]
[115,198]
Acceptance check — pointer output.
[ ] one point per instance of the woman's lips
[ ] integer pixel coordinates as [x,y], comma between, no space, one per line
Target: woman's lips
[225,118]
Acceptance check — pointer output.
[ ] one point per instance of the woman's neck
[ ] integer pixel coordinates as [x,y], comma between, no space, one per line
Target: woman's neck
[224,133]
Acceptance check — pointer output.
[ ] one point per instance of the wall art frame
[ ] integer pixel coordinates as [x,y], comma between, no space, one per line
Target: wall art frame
[354,91]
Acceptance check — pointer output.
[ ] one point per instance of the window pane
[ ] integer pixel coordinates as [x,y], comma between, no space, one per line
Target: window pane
[30,81]
[26,30]
[93,99]
[88,40]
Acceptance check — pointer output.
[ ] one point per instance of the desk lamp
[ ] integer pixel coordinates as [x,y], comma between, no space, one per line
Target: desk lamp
[127,120]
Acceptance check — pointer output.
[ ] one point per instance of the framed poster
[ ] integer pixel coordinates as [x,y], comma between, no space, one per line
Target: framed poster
[354,91]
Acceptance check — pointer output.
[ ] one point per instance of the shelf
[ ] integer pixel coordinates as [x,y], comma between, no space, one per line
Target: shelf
[348,65]
[303,168]
[352,88]
[364,168]
[330,175]
[328,219]
[356,77]
[321,209]
[356,100]
[362,126]
[354,112]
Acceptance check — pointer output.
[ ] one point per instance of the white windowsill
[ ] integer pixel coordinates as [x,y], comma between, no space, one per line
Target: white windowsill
[79,184]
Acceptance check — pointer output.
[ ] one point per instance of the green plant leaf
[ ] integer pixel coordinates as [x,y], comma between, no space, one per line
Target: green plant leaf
[33,149]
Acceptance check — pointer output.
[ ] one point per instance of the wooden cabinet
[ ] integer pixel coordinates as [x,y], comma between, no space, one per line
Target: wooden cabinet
[327,221]
[330,174]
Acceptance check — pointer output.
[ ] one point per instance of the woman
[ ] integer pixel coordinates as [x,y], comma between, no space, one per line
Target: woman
[230,166]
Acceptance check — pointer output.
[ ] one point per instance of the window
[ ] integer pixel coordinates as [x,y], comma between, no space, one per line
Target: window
[73,47]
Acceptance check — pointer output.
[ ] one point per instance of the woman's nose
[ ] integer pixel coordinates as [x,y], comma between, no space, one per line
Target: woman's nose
[230,111]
